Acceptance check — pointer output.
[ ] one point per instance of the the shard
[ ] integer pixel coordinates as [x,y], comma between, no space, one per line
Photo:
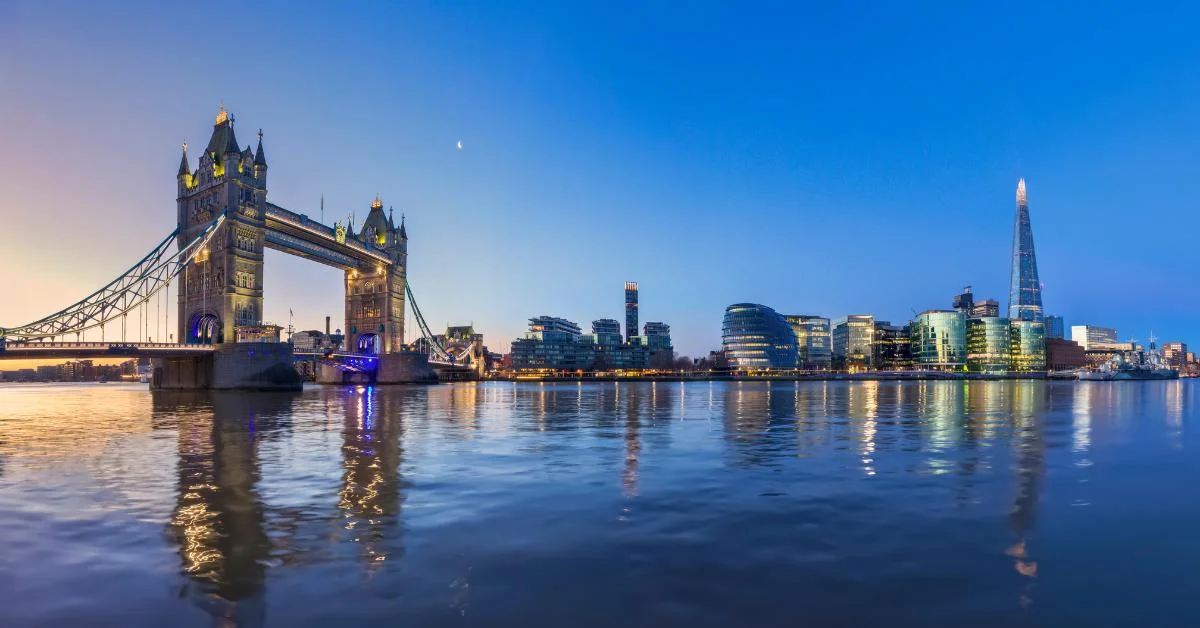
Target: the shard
[1024,288]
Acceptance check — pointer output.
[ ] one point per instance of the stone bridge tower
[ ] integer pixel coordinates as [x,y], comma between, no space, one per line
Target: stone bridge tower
[375,296]
[222,289]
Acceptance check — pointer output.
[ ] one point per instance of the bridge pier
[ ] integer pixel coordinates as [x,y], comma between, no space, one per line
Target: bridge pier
[244,366]
[405,367]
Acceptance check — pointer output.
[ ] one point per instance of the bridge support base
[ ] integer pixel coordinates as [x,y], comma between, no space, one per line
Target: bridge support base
[244,366]
[393,368]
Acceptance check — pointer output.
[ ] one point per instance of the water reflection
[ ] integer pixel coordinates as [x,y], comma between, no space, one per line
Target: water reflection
[843,490]
[1029,402]
[370,496]
[218,524]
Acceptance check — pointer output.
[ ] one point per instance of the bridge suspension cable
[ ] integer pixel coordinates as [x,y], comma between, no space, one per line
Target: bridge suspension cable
[436,350]
[121,296]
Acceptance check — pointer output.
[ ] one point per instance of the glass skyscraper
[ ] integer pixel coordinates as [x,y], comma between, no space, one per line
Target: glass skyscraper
[1028,330]
[631,310]
[755,337]
[1024,287]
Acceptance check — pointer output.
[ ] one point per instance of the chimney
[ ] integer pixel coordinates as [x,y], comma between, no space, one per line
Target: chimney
[326,326]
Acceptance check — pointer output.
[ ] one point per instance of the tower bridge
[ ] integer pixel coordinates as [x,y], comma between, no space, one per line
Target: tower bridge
[224,223]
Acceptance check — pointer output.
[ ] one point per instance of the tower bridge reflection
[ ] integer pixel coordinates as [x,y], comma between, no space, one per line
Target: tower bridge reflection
[227,537]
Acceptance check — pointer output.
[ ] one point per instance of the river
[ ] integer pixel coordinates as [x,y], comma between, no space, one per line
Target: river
[602,504]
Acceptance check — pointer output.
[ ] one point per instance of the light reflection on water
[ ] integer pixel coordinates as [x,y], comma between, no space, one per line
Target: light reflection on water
[905,503]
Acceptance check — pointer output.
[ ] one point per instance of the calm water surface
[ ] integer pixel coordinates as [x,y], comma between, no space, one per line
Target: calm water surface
[698,504]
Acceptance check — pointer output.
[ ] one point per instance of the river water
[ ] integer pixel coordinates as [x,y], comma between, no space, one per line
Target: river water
[606,504]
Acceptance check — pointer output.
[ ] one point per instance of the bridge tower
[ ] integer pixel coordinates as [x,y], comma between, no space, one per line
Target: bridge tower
[375,296]
[222,289]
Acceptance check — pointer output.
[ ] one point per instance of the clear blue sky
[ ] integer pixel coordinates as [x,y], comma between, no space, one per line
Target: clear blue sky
[827,158]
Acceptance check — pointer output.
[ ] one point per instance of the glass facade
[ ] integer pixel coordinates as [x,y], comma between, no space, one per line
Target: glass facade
[939,340]
[550,343]
[853,339]
[1028,346]
[1024,288]
[631,310]
[813,350]
[755,337]
[1054,327]
[892,348]
[988,341]
[1093,338]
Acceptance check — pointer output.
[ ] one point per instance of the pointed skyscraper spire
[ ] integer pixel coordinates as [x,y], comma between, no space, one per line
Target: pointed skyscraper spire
[1024,288]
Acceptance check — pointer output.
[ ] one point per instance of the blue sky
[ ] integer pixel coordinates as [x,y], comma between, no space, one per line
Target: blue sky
[820,158]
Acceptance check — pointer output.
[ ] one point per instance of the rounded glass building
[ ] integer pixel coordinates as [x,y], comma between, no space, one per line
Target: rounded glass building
[939,340]
[756,337]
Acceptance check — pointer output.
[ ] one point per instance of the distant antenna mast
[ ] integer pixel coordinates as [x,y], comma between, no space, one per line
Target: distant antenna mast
[322,209]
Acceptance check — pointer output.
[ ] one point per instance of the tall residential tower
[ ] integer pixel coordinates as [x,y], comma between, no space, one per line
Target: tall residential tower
[631,310]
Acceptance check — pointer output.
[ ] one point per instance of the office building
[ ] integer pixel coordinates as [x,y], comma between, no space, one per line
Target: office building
[965,301]
[1093,338]
[1025,289]
[1054,327]
[852,344]
[1027,346]
[813,342]
[939,340]
[631,310]
[891,347]
[988,341]
[1174,355]
[987,308]
[755,338]
[1026,318]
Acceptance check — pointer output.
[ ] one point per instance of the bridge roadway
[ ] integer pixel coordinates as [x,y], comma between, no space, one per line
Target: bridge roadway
[357,362]
[78,350]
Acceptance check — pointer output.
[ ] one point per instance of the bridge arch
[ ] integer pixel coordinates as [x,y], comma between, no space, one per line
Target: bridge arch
[368,343]
[205,328]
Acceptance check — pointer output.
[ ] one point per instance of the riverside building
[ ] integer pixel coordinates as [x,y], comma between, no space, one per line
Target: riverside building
[853,343]
[813,350]
[757,338]
[988,345]
[560,345]
[939,340]
[891,347]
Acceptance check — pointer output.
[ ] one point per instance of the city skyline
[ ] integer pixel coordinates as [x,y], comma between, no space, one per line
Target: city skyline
[714,195]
